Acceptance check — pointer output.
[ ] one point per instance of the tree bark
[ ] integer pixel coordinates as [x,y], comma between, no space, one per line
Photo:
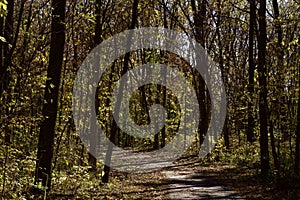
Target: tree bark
[6,63]
[97,40]
[222,68]
[297,150]
[280,87]
[250,128]
[199,15]
[1,45]
[115,129]
[263,117]
[8,35]
[50,106]
[273,147]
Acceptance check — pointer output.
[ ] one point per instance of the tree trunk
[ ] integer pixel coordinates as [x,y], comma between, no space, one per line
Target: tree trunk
[115,129]
[278,31]
[164,92]
[297,150]
[1,47]
[47,129]
[97,40]
[4,70]
[273,147]
[8,35]
[280,81]
[222,68]
[199,15]
[250,127]
[262,43]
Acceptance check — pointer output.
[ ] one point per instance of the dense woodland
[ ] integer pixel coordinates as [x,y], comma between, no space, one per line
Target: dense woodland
[255,44]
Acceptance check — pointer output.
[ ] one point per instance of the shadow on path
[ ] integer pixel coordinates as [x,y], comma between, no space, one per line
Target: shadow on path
[184,184]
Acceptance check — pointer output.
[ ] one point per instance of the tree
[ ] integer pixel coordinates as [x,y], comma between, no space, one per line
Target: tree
[250,131]
[199,15]
[97,41]
[7,58]
[297,148]
[280,90]
[47,128]
[229,31]
[7,53]
[263,104]
[115,130]
[222,68]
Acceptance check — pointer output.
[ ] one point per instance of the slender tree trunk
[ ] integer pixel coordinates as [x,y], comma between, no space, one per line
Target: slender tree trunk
[222,68]
[6,137]
[11,35]
[115,129]
[98,25]
[164,92]
[279,32]
[164,100]
[1,45]
[250,127]
[47,129]
[263,117]
[8,35]
[97,40]
[297,150]
[280,81]
[273,147]
[4,70]
[199,15]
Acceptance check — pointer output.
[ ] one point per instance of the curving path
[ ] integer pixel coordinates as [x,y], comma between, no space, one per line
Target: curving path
[183,180]
[185,183]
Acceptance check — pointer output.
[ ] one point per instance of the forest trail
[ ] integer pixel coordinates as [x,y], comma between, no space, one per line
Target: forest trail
[185,181]
[187,185]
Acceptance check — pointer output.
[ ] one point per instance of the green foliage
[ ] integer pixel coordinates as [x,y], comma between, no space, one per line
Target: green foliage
[2,39]
[18,172]
[244,155]
[226,42]
[3,8]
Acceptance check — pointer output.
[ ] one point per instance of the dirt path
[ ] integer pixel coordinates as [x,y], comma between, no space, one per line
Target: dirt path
[187,185]
[185,179]
[187,182]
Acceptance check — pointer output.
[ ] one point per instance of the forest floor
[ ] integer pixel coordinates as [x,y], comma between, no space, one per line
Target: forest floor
[189,178]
